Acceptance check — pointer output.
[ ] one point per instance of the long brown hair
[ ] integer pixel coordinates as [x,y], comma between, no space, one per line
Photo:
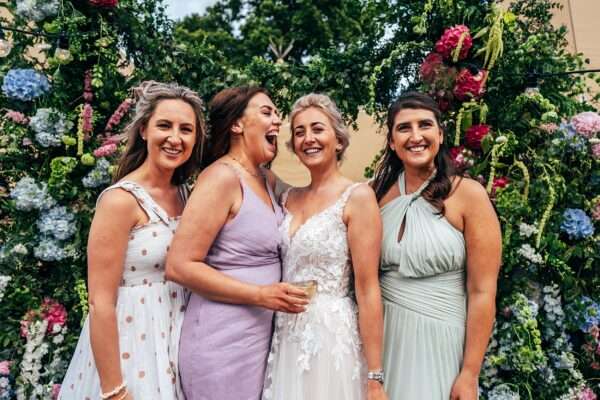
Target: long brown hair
[390,166]
[147,96]
[224,110]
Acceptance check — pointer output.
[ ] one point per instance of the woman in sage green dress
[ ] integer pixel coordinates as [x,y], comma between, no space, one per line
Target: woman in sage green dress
[440,259]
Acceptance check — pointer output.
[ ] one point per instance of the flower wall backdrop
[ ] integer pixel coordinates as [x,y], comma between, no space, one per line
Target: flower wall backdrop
[536,151]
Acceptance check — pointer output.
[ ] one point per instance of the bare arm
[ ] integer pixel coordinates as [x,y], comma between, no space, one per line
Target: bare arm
[484,252]
[364,238]
[214,201]
[116,214]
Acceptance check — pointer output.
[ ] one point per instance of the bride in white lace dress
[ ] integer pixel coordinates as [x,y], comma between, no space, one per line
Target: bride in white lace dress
[331,234]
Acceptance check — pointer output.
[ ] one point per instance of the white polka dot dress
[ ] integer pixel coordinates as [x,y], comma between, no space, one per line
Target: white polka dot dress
[149,315]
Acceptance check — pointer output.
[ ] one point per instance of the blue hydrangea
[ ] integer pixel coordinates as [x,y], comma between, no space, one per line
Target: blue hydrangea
[98,176]
[570,136]
[49,249]
[591,314]
[57,222]
[577,224]
[37,10]
[49,125]
[24,84]
[502,392]
[29,195]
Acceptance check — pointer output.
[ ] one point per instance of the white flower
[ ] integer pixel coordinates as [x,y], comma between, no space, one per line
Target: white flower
[526,230]
[529,253]
[20,249]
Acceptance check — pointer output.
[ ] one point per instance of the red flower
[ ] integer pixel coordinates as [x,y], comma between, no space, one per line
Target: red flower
[431,67]
[53,312]
[450,40]
[468,85]
[475,134]
[104,3]
[500,182]
[456,155]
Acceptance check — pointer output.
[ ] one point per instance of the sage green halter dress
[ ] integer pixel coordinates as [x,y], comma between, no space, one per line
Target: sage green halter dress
[423,289]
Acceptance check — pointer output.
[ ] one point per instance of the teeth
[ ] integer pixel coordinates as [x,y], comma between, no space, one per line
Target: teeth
[311,151]
[417,148]
[171,151]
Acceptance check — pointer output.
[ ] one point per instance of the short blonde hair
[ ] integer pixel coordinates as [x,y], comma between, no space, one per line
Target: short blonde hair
[323,103]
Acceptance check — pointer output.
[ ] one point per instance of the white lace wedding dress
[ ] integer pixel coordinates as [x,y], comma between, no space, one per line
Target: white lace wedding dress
[317,355]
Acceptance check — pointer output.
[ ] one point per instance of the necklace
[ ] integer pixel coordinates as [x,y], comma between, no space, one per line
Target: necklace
[258,174]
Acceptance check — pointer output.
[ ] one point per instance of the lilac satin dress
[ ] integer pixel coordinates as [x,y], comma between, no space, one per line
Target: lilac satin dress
[224,347]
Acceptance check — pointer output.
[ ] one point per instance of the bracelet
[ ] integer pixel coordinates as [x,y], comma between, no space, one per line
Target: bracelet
[115,391]
[125,393]
[375,376]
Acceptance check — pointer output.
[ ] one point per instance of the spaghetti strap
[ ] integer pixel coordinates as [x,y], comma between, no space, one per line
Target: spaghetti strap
[151,208]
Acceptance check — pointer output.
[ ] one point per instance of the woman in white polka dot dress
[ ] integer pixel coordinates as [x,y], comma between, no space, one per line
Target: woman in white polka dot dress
[129,343]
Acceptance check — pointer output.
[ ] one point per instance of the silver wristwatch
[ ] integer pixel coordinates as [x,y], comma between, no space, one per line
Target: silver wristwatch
[376,376]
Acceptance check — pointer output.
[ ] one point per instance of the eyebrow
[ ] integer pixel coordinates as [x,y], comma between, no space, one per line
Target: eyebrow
[162,120]
[420,121]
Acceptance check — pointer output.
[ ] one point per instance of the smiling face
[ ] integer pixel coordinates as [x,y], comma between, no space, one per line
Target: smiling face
[170,134]
[416,138]
[313,138]
[259,128]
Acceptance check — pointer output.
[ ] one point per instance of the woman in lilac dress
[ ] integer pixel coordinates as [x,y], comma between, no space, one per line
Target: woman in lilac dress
[226,250]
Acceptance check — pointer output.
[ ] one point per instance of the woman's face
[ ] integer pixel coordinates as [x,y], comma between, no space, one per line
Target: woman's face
[259,128]
[313,138]
[170,134]
[416,138]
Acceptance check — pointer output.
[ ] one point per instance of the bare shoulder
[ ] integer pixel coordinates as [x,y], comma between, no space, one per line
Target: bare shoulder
[218,176]
[468,189]
[361,194]
[120,207]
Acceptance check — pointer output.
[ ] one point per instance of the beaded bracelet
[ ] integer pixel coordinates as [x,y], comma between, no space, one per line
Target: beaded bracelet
[125,393]
[115,391]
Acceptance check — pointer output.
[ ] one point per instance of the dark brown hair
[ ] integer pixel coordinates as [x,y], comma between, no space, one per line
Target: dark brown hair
[224,110]
[147,96]
[390,166]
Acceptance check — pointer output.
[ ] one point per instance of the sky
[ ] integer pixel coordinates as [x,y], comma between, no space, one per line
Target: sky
[180,8]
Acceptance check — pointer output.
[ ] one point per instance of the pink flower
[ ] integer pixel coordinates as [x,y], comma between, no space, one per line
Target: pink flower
[596,211]
[4,367]
[105,150]
[586,123]
[86,116]
[475,134]
[451,39]
[16,117]
[469,86]
[88,95]
[461,157]
[549,127]
[500,182]
[104,3]
[596,151]
[55,391]
[55,313]
[115,119]
[586,394]
[431,66]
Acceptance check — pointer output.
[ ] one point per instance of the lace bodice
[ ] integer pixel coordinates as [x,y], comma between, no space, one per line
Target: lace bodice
[318,249]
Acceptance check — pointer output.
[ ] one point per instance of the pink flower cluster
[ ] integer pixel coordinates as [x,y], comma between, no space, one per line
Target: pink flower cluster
[596,151]
[450,40]
[461,157]
[475,134]
[105,150]
[88,94]
[16,117]
[586,394]
[431,66]
[104,3]
[51,311]
[596,210]
[500,182]
[86,117]
[587,123]
[470,85]
[550,127]
[4,367]
[118,115]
